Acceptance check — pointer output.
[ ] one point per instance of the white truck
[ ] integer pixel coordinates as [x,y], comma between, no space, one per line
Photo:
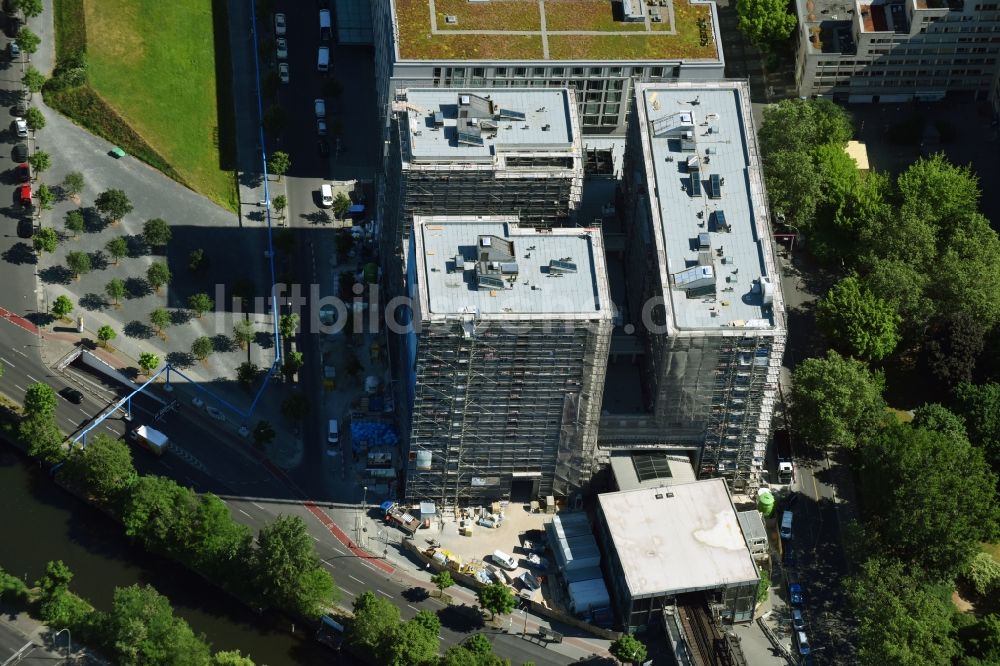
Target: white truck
[150,439]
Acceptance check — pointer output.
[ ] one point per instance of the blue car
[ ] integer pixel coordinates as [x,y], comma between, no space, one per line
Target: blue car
[795,594]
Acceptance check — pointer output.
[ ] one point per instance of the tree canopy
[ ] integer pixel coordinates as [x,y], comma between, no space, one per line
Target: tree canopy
[143,630]
[288,571]
[858,322]
[979,406]
[114,204]
[766,23]
[496,598]
[836,400]
[375,619]
[413,643]
[103,469]
[627,648]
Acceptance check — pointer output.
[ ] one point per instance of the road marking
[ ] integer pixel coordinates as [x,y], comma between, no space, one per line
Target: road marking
[84,411]
[346,591]
[18,387]
[110,428]
[336,549]
[316,539]
[245,513]
[329,564]
[258,506]
[385,594]
[31,378]
[7,362]
[18,351]
[356,579]
[413,607]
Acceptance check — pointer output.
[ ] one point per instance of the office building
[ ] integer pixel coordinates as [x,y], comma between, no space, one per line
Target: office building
[597,47]
[705,295]
[505,360]
[896,50]
[489,152]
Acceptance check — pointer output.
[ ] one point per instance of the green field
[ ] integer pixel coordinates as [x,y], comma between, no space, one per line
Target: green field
[154,63]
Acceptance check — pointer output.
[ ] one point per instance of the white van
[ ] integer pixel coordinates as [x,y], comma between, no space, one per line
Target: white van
[324,25]
[333,432]
[326,195]
[504,560]
[323,60]
[786,525]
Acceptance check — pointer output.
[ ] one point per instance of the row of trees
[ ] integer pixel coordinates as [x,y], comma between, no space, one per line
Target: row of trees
[278,569]
[164,639]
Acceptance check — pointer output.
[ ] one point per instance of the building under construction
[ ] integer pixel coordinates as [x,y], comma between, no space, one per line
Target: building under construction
[701,262]
[500,151]
[506,359]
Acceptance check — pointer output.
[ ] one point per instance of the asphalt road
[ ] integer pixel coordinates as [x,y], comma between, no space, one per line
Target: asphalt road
[12,642]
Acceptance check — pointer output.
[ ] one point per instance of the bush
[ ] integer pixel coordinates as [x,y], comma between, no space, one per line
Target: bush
[983,573]
[12,588]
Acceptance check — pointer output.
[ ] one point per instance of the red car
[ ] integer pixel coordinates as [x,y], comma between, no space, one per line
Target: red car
[24,195]
[23,172]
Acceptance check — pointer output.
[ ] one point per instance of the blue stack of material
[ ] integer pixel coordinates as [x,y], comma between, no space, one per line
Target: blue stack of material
[372,434]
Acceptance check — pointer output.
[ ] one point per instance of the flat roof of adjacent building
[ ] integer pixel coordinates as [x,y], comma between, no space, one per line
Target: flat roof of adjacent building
[710,220]
[502,120]
[568,30]
[650,469]
[678,538]
[529,274]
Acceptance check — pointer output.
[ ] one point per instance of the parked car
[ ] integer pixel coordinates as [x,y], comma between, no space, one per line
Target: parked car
[321,127]
[24,194]
[802,642]
[20,108]
[798,622]
[280,27]
[795,594]
[20,152]
[281,47]
[25,228]
[13,26]
[72,395]
[215,413]
[13,51]
[283,72]
[20,127]
[320,106]
[23,172]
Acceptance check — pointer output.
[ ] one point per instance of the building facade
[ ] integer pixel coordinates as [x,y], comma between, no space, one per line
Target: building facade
[489,152]
[585,45]
[505,359]
[896,50]
[700,259]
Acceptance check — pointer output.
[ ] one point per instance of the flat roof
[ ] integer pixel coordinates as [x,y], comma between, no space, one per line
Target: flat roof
[530,274]
[582,30]
[688,542]
[525,119]
[710,221]
[650,469]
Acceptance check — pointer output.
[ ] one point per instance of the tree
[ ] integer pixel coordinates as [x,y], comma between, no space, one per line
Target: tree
[46,240]
[295,407]
[158,275]
[43,437]
[115,289]
[288,571]
[30,8]
[160,318]
[113,204]
[246,373]
[938,418]
[45,197]
[496,598]
[971,251]
[56,580]
[279,163]
[764,586]
[73,183]
[106,334]
[280,202]
[263,434]
[78,263]
[75,222]
[33,80]
[478,644]
[117,248]
[935,190]
[160,514]
[293,363]
[200,303]
[475,651]
[979,406]
[901,620]
[932,498]
[156,232]
[148,361]
[39,161]
[375,619]
[40,400]
[231,658]
[766,23]
[202,348]
[413,643]
[836,400]
[32,116]
[103,469]
[983,573]
[62,306]
[198,261]
[903,285]
[627,648]
[243,331]
[980,639]
[804,125]
[341,204]
[141,629]
[288,325]
[952,347]
[442,581]
[858,322]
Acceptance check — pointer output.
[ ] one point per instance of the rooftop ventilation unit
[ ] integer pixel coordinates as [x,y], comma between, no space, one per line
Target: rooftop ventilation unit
[564,265]
[450,19]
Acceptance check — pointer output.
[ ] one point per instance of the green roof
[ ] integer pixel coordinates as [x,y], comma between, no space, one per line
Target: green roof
[574,30]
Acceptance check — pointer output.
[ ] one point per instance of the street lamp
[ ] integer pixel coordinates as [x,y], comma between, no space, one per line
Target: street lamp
[69,642]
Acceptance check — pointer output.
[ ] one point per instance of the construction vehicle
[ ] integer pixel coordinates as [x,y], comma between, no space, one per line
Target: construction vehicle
[398,515]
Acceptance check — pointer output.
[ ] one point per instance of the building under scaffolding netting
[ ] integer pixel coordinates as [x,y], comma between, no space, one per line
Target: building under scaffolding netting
[701,260]
[506,360]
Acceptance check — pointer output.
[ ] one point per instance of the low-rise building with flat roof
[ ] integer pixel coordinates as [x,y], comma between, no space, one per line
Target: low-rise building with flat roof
[505,359]
[660,543]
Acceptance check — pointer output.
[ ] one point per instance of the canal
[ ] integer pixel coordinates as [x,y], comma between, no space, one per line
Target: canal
[42,522]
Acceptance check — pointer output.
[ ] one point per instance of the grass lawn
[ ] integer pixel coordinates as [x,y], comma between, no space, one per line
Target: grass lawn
[585,15]
[154,63]
[493,15]
[993,549]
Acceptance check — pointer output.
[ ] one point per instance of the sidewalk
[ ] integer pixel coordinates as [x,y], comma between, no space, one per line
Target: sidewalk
[48,648]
